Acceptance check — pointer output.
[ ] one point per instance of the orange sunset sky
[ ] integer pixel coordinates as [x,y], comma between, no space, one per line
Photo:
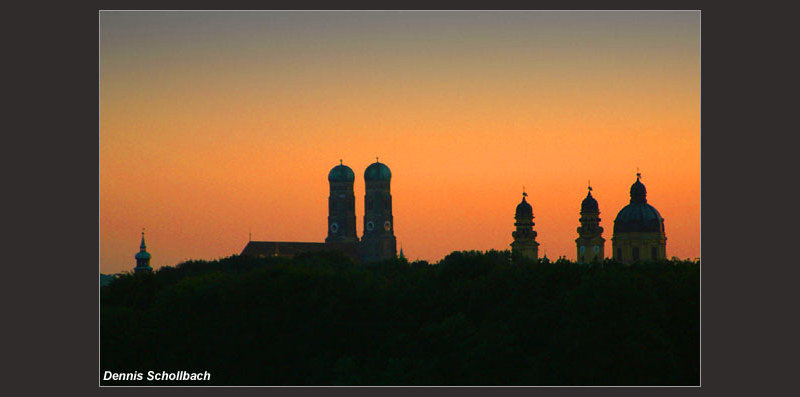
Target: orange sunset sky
[216,123]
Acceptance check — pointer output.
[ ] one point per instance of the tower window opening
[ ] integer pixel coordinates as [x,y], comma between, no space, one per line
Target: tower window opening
[619,253]
[654,252]
[635,253]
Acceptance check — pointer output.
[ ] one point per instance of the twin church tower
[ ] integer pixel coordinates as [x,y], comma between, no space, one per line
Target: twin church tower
[638,230]
[377,242]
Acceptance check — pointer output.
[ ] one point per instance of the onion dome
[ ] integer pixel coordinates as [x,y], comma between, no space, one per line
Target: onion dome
[589,204]
[638,216]
[377,172]
[142,254]
[341,173]
[524,210]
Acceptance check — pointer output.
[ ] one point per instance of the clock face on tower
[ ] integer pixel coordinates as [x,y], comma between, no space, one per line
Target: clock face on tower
[582,249]
[387,225]
[596,249]
[370,226]
[334,227]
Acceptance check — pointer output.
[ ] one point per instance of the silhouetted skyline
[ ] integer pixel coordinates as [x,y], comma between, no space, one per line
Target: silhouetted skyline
[217,124]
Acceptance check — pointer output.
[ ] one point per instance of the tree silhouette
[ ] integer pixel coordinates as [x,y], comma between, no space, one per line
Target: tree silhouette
[473,318]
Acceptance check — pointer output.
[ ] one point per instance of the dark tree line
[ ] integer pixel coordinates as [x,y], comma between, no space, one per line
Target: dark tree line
[471,319]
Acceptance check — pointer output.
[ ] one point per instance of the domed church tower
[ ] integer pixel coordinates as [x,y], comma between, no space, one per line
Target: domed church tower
[524,243]
[378,242]
[142,258]
[590,242]
[341,205]
[639,229]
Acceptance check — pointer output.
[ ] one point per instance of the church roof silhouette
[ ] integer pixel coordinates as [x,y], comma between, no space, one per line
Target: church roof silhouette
[524,210]
[377,172]
[142,254]
[638,216]
[341,173]
[589,204]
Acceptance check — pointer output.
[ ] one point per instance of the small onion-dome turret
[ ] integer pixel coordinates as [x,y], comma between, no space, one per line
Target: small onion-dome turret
[142,254]
[524,210]
[341,173]
[377,172]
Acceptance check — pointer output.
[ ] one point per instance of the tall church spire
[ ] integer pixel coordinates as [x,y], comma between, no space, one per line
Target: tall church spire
[142,246]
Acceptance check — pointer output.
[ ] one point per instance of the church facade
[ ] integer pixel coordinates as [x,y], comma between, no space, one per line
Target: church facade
[377,242]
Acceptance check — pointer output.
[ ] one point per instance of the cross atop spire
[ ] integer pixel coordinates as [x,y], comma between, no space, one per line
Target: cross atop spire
[638,174]
[523,192]
[376,159]
[590,185]
[340,162]
[142,246]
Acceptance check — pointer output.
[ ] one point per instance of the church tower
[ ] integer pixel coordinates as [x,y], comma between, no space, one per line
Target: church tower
[378,242]
[524,244]
[639,229]
[142,259]
[590,242]
[341,206]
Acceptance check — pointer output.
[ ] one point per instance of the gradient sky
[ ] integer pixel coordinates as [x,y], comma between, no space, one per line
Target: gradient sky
[214,123]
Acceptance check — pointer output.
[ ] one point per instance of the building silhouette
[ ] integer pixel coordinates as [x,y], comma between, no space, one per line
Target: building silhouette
[378,241]
[590,242]
[341,206]
[639,229]
[142,258]
[524,243]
